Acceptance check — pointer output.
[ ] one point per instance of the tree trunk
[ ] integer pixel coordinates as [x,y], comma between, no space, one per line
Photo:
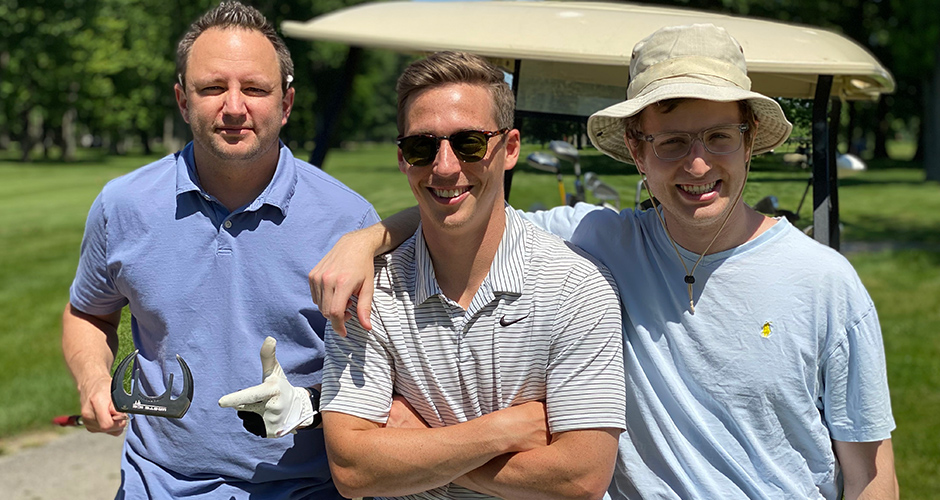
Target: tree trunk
[145,142]
[69,141]
[855,144]
[33,135]
[881,131]
[171,142]
[930,131]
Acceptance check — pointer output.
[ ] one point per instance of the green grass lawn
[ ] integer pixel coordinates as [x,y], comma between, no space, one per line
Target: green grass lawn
[46,205]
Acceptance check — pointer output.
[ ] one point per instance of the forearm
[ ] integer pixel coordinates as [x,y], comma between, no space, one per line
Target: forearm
[394,230]
[380,461]
[868,470]
[89,344]
[578,464]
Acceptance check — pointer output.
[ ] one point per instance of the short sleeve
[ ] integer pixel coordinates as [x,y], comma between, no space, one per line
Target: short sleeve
[358,374]
[370,218]
[94,291]
[560,221]
[856,401]
[586,387]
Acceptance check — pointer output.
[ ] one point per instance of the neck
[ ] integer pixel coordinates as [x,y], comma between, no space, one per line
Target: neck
[462,261]
[235,183]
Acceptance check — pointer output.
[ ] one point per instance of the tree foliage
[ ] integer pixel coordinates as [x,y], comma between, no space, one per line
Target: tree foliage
[104,69]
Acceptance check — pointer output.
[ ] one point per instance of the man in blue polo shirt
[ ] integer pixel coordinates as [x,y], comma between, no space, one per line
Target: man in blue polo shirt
[210,248]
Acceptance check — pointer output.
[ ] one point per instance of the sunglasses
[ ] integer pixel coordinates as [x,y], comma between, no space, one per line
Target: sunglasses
[469,145]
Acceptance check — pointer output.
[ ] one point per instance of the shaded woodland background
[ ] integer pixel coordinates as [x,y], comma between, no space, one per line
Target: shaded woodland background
[99,74]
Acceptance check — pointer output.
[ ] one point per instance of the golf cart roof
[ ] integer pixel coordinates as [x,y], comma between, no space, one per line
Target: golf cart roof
[583,48]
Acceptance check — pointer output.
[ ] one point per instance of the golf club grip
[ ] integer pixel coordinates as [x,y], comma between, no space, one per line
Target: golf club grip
[68,421]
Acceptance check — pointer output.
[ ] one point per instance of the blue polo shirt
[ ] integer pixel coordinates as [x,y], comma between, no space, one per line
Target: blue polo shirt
[210,285]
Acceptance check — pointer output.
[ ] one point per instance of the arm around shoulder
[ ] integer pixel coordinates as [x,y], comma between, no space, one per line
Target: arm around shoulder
[347,269]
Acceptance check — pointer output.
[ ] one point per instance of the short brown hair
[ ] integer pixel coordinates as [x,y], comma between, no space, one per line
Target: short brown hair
[442,68]
[633,130]
[234,14]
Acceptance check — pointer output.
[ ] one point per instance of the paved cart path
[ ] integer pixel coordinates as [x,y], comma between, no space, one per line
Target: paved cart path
[74,464]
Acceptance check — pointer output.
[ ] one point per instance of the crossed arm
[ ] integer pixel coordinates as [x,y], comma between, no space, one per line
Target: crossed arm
[505,453]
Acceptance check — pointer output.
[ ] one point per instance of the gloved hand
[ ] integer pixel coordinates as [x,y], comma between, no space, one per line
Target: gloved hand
[282,407]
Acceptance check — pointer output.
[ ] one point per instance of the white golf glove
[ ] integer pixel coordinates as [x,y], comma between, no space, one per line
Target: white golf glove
[282,407]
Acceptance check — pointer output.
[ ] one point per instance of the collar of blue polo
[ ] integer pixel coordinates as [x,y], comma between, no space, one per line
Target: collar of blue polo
[277,193]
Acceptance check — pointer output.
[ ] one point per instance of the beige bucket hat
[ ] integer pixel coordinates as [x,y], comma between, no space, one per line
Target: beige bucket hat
[698,61]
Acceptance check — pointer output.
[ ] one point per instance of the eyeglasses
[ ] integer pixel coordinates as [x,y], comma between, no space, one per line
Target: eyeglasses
[469,145]
[720,140]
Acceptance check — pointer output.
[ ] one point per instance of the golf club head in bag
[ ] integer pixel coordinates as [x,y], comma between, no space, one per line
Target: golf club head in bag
[544,162]
[608,196]
[565,151]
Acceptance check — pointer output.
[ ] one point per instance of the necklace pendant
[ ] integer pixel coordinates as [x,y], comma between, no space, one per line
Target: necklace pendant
[690,279]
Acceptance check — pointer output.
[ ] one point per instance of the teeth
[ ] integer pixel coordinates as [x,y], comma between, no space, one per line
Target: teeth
[697,189]
[449,193]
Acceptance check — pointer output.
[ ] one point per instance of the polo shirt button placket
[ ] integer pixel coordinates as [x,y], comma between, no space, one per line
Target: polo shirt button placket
[225,239]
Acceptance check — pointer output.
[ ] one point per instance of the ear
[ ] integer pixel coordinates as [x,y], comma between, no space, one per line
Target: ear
[633,146]
[287,104]
[513,147]
[181,101]
[402,164]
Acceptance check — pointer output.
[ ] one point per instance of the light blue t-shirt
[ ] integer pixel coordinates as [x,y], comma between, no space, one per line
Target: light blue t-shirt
[742,398]
[211,285]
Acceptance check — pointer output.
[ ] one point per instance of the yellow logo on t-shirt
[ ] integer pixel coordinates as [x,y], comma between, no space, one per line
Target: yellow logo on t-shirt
[765,330]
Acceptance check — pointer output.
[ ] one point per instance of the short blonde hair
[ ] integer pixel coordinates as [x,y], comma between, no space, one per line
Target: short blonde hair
[442,68]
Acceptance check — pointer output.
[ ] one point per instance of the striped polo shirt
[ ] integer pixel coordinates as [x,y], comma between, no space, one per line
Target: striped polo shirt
[545,325]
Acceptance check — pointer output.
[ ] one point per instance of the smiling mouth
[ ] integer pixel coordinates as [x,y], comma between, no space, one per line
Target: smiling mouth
[449,193]
[234,130]
[698,189]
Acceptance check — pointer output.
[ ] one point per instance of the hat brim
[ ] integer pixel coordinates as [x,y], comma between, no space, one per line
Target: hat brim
[606,127]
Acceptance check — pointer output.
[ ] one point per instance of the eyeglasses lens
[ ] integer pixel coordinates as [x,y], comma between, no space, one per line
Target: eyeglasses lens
[420,150]
[719,140]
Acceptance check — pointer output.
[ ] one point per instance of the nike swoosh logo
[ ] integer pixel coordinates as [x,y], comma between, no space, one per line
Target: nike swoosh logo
[506,322]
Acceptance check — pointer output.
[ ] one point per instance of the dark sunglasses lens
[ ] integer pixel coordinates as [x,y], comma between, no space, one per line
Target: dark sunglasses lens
[419,150]
[469,145]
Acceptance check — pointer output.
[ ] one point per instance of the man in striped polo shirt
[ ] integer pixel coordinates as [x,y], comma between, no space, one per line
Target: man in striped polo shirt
[483,324]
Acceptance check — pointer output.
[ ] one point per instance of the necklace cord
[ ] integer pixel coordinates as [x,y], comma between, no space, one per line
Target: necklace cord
[689,275]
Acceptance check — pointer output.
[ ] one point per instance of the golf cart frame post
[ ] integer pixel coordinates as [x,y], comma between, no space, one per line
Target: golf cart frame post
[569,59]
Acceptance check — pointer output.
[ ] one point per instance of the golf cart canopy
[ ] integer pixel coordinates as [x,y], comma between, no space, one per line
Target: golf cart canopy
[581,51]
[570,59]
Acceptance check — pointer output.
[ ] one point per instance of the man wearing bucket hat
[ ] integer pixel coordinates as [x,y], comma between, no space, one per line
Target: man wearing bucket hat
[754,358]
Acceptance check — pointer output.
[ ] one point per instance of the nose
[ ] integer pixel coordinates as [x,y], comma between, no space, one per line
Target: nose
[696,164]
[234,103]
[446,163]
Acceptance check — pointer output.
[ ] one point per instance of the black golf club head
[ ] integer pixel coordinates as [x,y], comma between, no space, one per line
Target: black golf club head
[142,404]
